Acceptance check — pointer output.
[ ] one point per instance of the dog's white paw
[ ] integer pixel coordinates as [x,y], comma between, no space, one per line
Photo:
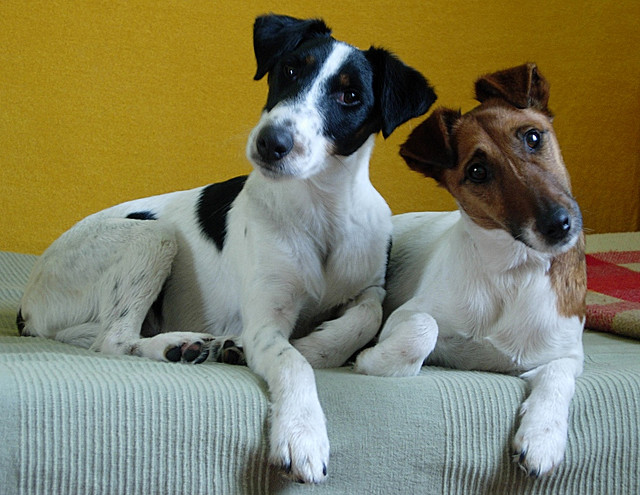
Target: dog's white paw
[405,343]
[539,444]
[377,361]
[300,445]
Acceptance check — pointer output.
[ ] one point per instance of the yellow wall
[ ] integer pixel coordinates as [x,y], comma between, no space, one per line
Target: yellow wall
[106,101]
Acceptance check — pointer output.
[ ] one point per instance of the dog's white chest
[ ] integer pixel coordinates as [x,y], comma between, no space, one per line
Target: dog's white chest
[504,329]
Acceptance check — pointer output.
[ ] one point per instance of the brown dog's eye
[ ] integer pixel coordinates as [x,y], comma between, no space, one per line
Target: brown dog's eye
[532,139]
[477,173]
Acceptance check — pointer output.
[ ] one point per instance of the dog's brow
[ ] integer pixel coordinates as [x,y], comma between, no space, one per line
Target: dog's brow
[331,66]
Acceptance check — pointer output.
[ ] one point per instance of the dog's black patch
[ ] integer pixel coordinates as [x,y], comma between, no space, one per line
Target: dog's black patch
[20,323]
[142,215]
[213,206]
[292,75]
[350,125]
[152,324]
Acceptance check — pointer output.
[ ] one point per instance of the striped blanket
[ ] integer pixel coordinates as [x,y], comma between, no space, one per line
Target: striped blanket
[613,279]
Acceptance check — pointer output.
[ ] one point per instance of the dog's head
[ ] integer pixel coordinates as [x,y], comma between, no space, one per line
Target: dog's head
[325,97]
[501,161]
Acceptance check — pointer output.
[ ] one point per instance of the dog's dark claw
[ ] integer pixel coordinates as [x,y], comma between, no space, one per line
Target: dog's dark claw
[324,469]
[174,354]
[523,456]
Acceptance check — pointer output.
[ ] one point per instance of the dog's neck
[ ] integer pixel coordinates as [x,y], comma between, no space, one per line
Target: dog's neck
[496,251]
[343,173]
[334,192]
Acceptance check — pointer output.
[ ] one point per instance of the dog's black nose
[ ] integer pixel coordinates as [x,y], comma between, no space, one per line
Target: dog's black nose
[556,225]
[274,143]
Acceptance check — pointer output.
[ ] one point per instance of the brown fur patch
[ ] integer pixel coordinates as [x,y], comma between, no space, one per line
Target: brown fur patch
[568,274]
[492,136]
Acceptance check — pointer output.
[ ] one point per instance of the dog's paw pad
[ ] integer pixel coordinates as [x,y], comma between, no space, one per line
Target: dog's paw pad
[192,352]
[232,353]
[173,354]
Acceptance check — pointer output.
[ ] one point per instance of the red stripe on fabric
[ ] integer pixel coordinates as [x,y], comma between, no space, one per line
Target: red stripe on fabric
[601,316]
[618,257]
[612,280]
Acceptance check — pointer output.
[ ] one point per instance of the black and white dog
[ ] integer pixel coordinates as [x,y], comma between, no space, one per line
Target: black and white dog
[296,250]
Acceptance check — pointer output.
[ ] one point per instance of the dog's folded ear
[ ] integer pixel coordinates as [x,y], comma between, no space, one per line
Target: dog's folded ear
[275,35]
[522,87]
[428,149]
[403,92]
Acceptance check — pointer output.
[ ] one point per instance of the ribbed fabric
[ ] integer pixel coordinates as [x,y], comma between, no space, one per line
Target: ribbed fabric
[14,271]
[95,424]
[603,448]
[77,422]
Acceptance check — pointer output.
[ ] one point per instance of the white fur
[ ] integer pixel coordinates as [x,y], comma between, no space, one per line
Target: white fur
[303,246]
[495,310]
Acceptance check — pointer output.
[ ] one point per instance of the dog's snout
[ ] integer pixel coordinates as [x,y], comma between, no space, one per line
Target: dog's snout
[274,143]
[556,225]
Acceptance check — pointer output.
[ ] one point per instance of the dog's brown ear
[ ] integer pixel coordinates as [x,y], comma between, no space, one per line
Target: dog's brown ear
[522,87]
[428,149]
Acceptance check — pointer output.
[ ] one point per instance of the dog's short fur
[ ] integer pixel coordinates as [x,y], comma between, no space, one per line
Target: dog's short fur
[500,284]
[299,245]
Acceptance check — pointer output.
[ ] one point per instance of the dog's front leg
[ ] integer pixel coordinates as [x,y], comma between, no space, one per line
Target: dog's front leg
[298,438]
[541,439]
[406,340]
[335,341]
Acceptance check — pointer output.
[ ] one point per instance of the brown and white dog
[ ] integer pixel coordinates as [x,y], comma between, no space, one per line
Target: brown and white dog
[500,284]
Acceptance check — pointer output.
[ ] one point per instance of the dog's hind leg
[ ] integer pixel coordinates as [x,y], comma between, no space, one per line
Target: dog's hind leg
[128,287]
[94,285]
[541,439]
[406,340]
[83,335]
[335,341]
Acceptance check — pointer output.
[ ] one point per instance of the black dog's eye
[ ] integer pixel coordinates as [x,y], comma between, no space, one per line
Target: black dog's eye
[532,139]
[478,173]
[290,72]
[348,98]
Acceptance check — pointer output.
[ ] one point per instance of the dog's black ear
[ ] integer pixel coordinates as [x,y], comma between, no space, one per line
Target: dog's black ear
[522,87]
[402,92]
[275,35]
[428,149]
